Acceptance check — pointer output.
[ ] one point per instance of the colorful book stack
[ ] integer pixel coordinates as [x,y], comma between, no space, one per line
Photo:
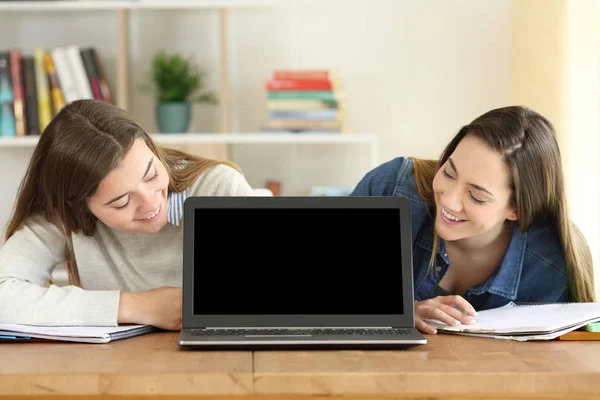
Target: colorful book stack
[34,87]
[305,101]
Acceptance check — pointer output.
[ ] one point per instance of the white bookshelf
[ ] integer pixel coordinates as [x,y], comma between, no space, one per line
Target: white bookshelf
[368,140]
[299,161]
[123,8]
[230,138]
[96,5]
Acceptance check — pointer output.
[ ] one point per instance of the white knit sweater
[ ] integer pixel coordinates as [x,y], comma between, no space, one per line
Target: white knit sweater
[109,262]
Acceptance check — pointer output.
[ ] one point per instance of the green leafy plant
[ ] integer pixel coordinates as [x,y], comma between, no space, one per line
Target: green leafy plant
[176,78]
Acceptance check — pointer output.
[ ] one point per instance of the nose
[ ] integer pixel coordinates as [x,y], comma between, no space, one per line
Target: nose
[148,201]
[452,199]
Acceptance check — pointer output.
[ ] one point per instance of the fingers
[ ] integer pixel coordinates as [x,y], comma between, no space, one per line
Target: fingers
[424,327]
[442,316]
[459,302]
[457,315]
[441,312]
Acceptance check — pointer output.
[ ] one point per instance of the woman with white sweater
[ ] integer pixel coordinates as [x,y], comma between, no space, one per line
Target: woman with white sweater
[102,198]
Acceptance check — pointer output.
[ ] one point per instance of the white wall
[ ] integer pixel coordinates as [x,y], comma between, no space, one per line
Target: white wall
[555,71]
[414,72]
[582,100]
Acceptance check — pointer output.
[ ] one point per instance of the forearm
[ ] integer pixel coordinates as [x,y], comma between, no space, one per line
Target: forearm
[129,308]
[22,302]
[160,307]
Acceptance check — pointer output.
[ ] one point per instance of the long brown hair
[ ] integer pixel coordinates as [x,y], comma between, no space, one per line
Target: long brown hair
[527,143]
[79,147]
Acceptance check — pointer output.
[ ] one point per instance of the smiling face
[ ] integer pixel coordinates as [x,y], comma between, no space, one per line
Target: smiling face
[472,193]
[133,197]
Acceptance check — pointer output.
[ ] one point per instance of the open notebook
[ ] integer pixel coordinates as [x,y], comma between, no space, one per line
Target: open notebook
[526,321]
[84,334]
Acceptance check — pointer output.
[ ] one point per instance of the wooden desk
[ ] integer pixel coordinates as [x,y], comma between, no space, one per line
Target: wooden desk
[448,367]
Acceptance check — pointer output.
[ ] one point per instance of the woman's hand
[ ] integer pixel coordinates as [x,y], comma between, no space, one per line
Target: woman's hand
[451,310]
[160,307]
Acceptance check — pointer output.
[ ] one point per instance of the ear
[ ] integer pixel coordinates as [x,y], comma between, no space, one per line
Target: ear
[513,215]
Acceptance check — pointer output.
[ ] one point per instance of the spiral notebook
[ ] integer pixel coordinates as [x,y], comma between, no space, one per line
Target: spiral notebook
[524,322]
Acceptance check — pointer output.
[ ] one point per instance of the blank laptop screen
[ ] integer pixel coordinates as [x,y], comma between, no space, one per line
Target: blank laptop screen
[297,261]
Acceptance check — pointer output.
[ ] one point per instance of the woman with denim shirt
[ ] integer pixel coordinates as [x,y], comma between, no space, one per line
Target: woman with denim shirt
[494,209]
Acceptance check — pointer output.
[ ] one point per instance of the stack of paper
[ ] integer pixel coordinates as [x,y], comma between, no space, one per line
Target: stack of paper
[526,322]
[84,334]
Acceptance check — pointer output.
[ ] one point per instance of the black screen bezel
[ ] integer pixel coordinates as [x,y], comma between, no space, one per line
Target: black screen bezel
[190,320]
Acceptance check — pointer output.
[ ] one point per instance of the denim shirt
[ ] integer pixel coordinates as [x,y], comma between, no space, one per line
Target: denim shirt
[532,270]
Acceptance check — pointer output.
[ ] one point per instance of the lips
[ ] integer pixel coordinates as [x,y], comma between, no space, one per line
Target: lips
[450,216]
[450,219]
[154,214]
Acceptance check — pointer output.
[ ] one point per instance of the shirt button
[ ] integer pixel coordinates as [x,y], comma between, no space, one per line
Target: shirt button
[438,268]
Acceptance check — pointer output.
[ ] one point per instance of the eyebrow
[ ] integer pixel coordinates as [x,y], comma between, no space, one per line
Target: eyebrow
[470,184]
[125,194]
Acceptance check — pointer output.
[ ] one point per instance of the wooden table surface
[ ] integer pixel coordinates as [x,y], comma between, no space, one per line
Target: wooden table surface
[447,367]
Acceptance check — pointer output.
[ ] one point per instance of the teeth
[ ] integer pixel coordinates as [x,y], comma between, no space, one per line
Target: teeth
[154,213]
[450,216]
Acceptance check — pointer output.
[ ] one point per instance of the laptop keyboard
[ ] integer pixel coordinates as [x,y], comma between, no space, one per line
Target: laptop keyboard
[297,332]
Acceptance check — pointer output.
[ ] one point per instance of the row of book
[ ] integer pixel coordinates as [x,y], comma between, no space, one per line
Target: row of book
[305,101]
[34,87]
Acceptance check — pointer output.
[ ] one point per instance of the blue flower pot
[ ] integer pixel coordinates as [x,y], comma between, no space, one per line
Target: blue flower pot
[173,117]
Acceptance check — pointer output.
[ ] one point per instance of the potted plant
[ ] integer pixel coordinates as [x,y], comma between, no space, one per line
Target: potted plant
[177,82]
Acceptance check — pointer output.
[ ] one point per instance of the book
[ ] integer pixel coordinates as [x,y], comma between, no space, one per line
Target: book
[89,64]
[7,114]
[80,78]
[303,124]
[298,85]
[593,327]
[82,334]
[102,79]
[16,75]
[580,335]
[56,94]
[326,113]
[44,100]
[322,95]
[30,95]
[65,75]
[306,74]
[523,322]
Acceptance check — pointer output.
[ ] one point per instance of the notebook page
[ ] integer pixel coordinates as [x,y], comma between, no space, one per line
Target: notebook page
[527,319]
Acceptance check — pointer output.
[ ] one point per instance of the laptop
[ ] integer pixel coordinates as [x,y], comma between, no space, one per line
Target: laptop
[297,272]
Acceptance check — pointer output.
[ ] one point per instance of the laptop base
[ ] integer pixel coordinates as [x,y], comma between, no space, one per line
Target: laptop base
[220,342]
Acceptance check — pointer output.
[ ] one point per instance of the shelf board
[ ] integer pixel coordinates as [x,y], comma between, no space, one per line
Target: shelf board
[27,141]
[131,5]
[266,138]
[229,138]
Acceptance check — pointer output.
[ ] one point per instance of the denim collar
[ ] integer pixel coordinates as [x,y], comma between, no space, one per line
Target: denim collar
[505,280]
